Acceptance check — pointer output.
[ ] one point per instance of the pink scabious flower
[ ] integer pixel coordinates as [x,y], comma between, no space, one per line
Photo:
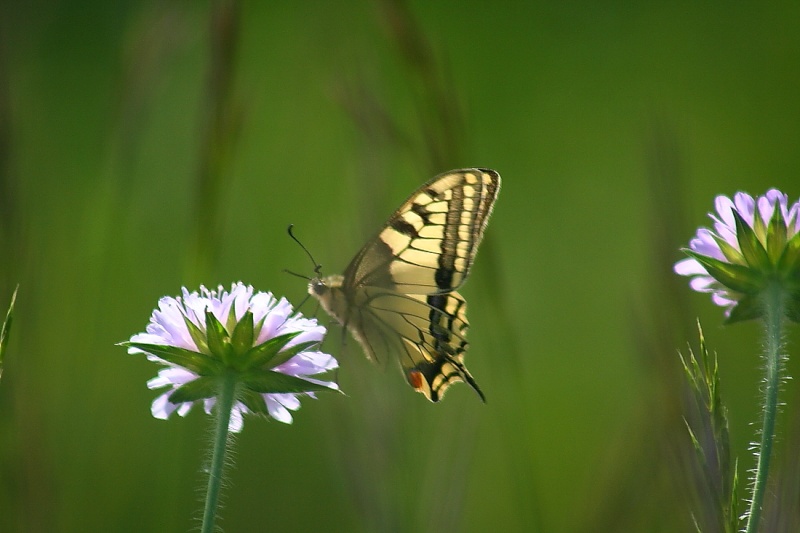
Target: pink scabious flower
[754,242]
[201,336]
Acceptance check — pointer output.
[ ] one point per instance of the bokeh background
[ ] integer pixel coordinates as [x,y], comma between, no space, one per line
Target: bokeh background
[148,145]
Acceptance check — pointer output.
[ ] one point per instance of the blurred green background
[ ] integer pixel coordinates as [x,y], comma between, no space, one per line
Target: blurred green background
[150,145]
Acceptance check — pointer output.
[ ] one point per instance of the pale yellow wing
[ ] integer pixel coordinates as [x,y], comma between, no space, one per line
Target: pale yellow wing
[429,243]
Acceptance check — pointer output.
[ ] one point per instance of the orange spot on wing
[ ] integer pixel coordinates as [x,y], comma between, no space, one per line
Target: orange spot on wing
[415,379]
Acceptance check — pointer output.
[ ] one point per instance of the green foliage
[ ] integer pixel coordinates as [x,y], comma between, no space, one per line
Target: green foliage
[273,352]
[276,382]
[737,277]
[196,362]
[755,255]
[6,328]
[197,389]
[711,440]
[789,262]
[243,336]
[219,342]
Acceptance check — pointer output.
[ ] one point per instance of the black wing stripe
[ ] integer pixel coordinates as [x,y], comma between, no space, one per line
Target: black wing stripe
[403,227]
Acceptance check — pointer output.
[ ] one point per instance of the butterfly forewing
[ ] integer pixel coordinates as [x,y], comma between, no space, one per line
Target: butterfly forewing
[429,243]
[397,297]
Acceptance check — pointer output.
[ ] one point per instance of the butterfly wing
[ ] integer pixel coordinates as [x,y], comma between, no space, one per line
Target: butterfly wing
[428,244]
[427,334]
[400,288]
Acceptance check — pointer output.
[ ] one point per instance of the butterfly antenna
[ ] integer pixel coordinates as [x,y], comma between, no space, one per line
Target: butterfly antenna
[317,266]
[296,274]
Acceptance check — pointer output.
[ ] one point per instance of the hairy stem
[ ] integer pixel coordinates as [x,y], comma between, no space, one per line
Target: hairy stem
[224,404]
[773,305]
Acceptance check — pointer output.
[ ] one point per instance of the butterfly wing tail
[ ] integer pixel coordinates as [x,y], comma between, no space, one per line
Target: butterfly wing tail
[433,378]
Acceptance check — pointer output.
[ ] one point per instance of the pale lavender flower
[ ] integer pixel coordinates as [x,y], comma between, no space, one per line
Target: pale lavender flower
[753,241]
[201,335]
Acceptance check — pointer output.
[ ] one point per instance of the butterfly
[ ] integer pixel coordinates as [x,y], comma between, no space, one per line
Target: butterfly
[398,296]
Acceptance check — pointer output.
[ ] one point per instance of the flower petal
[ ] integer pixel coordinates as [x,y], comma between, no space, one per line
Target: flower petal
[689,267]
[277,410]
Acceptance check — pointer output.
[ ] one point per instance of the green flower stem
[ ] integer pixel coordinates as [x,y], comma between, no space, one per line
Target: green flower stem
[224,405]
[774,309]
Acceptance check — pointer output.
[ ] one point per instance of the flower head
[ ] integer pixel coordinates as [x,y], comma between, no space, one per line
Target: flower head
[201,337]
[755,242]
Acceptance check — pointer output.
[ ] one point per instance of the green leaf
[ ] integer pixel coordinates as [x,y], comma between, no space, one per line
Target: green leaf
[759,227]
[230,322]
[193,361]
[753,251]
[732,525]
[197,334]
[776,235]
[254,402]
[218,340]
[793,306]
[709,436]
[789,262]
[732,254]
[269,382]
[242,337]
[198,389]
[257,326]
[6,328]
[698,448]
[747,308]
[261,355]
[692,369]
[283,356]
[736,277]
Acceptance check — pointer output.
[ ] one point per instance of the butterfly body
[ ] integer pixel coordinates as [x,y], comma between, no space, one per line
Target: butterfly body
[398,295]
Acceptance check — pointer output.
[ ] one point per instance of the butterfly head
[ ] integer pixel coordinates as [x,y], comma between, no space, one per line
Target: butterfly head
[320,287]
[328,291]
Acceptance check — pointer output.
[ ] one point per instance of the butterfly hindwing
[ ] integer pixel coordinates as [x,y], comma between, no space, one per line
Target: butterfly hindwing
[398,295]
[425,333]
